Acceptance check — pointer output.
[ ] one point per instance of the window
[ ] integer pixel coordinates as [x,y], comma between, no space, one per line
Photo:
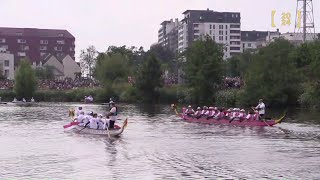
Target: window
[6,63]
[220,38]
[226,38]
[2,40]
[220,32]
[235,42]
[21,54]
[249,44]
[21,41]
[235,31]
[60,35]
[196,31]
[58,48]
[196,37]
[24,48]
[6,73]
[220,26]
[213,26]
[213,38]
[210,32]
[43,53]
[210,26]
[43,48]
[234,48]
[226,32]
[4,46]
[196,25]
[60,41]
[226,26]
[43,41]
[234,37]
[19,33]
[234,26]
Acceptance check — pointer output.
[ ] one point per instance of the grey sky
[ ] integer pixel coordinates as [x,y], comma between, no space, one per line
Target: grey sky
[134,23]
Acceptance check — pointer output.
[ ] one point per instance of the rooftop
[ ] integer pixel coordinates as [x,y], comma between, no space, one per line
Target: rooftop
[34,32]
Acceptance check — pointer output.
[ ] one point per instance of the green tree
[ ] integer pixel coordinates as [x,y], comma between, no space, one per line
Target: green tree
[25,82]
[112,68]
[272,75]
[204,69]
[88,60]
[149,79]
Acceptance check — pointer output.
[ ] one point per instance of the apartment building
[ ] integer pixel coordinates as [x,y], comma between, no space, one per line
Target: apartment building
[168,35]
[7,64]
[33,43]
[223,27]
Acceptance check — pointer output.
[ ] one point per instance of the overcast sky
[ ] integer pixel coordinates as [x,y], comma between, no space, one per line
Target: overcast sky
[134,22]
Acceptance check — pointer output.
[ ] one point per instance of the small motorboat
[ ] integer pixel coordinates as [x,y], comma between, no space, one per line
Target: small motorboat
[88,99]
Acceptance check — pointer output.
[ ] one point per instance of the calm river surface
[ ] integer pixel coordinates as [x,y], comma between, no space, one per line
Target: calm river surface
[155,145]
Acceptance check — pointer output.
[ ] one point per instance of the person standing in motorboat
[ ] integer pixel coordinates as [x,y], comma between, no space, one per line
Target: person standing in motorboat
[112,114]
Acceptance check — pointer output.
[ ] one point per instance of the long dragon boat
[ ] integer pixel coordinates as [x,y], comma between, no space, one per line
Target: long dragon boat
[225,121]
[116,131]
[74,125]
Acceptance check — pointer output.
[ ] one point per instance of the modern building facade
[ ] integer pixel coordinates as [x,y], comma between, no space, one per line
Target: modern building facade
[7,64]
[168,35]
[33,43]
[223,27]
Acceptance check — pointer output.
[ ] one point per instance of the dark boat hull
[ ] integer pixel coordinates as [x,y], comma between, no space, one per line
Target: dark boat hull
[236,122]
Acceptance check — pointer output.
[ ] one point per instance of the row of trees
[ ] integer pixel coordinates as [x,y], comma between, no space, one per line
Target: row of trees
[280,73]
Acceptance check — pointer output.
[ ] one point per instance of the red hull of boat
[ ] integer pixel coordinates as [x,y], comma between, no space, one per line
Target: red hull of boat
[225,121]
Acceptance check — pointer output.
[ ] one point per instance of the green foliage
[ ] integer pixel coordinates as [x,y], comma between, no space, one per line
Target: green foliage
[272,76]
[45,72]
[238,65]
[25,81]
[204,69]
[112,68]
[149,79]
[227,98]
[310,98]
[7,95]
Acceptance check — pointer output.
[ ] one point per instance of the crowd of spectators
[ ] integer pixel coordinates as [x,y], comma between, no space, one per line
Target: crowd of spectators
[56,84]
[67,84]
[229,82]
[232,82]
[6,84]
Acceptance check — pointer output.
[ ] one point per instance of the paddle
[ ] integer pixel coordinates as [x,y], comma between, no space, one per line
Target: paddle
[84,127]
[262,118]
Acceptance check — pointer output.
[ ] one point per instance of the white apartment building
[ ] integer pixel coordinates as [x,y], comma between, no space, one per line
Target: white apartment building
[223,27]
[7,64]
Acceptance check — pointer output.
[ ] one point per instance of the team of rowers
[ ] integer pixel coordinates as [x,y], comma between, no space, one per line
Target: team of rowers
[96,121]
[231,114]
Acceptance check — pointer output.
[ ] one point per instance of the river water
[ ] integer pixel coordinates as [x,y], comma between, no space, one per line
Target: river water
[155,145]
